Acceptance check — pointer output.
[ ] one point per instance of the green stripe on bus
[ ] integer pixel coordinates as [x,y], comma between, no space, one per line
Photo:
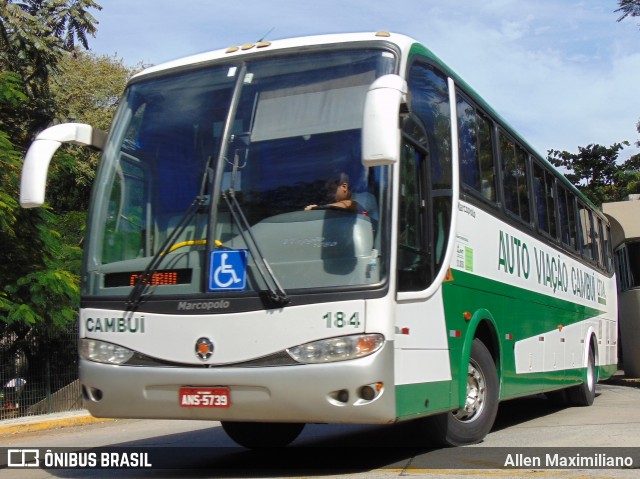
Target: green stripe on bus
[517,314]
[493,287]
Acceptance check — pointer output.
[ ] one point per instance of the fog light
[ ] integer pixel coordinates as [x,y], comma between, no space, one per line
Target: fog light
[367,393]
[338,398]
[91,394]
[371,391]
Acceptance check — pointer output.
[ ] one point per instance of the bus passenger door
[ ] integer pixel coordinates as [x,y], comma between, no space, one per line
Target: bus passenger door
[421,350]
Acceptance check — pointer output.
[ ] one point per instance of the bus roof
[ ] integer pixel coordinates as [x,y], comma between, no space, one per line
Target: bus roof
[402,41]
[408,46]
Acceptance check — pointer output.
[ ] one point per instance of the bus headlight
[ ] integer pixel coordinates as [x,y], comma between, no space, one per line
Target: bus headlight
[101,352]
[341,348]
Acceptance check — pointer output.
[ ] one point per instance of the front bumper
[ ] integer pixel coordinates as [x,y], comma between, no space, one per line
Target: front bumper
[309,393]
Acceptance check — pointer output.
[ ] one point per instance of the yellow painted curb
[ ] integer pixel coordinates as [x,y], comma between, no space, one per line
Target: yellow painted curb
[623,381]
[9,429]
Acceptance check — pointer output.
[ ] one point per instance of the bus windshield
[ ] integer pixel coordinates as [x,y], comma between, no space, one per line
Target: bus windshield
[258,142]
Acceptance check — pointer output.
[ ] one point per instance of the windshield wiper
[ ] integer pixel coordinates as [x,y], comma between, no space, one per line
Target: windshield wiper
[146,277]
[276,293]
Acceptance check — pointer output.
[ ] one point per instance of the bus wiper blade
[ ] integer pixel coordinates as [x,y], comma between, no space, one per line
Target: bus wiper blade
[145,278]
[276,293]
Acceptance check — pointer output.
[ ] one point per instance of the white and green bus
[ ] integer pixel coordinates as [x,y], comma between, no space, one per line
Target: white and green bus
[466,270]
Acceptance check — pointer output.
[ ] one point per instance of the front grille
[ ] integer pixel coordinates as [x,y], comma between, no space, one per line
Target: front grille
[277,359]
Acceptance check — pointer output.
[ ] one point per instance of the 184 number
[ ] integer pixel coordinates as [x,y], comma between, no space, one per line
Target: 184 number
[341,320]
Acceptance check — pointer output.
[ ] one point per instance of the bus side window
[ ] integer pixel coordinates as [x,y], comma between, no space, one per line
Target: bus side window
[599,238]
[477,169]
[430,103]
[514,176]
[608,249]
[586,231]
[567,217]
[543,182]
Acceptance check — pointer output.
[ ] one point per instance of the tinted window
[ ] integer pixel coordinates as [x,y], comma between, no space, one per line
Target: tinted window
[543,188]
[414,262]
[608,248]
[586,231]
[430,101]
[627,263]
[634,264]
[476,154]
[514,177]
[599,248]
[566,206]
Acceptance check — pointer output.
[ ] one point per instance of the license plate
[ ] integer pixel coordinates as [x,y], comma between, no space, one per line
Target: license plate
[218,397]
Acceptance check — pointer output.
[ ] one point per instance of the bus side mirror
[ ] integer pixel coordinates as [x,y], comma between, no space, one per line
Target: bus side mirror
[36,162]
[381,122]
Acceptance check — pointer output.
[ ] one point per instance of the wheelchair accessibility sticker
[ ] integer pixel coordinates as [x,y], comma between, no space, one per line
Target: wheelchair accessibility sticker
[228,270]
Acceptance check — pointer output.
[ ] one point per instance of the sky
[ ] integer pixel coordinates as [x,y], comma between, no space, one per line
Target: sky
[564,73]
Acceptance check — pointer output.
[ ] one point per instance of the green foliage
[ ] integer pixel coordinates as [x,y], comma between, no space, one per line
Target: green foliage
[35,283]
[10,159]
[42,290]
[39,272]
[34,34]
[596,172]
[11,89]
[86,89]
[629,172]
[9,165]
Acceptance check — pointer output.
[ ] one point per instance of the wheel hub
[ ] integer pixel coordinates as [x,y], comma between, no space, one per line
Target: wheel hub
[476,394]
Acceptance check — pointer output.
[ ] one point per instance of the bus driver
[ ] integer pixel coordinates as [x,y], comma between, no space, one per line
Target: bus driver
[340,190]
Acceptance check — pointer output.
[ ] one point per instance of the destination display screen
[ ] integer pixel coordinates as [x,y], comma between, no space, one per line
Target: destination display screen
[159,278]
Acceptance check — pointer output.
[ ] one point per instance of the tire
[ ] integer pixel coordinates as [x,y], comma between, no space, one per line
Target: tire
[256,435]
[471,424]
[585,393]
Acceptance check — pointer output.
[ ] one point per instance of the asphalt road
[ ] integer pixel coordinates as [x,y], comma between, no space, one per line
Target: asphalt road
[527,430]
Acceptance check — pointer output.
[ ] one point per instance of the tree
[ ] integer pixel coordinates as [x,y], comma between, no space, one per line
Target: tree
[628,8]
[632,175]
[594,171]
[631,8]
[36,286]
[34,34]
[11,93]
[86,89]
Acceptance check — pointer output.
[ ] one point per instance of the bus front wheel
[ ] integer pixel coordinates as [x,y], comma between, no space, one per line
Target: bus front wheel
[255,435]
[471,423]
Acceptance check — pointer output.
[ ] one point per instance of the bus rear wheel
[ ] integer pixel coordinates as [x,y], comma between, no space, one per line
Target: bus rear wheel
[471,423]
[255,435]
[585,393]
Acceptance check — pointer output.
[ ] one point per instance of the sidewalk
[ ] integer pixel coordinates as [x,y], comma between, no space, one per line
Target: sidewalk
[82,417]
[47,421]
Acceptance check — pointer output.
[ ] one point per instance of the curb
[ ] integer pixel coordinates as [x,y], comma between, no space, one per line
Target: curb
[36,423]
[621,381]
